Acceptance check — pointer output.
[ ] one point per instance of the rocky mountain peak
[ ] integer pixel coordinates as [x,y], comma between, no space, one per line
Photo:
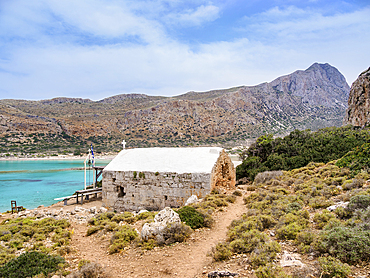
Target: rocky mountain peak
[319,85]
[358,112]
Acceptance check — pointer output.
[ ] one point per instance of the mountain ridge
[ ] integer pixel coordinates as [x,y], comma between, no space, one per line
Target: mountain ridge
[312,98]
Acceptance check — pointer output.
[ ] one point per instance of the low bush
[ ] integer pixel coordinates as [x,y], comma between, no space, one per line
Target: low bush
[127,217]
[332,267]
[237,193]
[304,239]
[176,232]
[266,176]
[82,263]
[221,252]
[347,244]
[359,202]
[247,241]
[191,217]
[122,238]
[147,215]
[271,271]
[90,270]
[289,231]
[30,264]
[146,244]
[343,213]
[351,184]
[320,202]
[264,253]
[93,230]
[321,219]
[19,233]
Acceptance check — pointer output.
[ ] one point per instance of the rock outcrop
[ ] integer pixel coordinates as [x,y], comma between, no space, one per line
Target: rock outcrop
[154,230]
[358,112]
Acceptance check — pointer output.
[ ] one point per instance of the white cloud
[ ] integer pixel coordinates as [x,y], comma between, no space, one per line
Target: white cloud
[194,17]
[295,23]
[54,56]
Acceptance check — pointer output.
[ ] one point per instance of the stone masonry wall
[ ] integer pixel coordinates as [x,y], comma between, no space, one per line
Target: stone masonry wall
[125,191]
[223,173]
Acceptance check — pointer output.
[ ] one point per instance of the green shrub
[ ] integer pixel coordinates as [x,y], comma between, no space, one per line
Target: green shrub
[147,244]
[176,232]
[247,241]
[82,263]
[93,230]
[251,188]
[122,238]
[295,206]
[289,231]
[237,193]
[222,252]
[359,202]
[320,202]
[147,215]
[30,264]
[127,217]
[333,267]
[230,198]
[191,217]
[347,244]
[322,218]
[343,213]
[304,239]
[264,253]
[301,147]
[357,159]
[271,271]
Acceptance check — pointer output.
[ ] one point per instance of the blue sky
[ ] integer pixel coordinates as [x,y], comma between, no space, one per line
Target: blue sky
[95,48]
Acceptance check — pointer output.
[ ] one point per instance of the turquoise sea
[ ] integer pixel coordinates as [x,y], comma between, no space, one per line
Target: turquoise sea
[37,182]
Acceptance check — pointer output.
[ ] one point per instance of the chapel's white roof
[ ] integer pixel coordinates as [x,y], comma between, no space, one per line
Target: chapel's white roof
[179,160]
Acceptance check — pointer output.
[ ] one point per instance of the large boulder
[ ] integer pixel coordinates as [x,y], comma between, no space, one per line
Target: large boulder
[192,199]
[167,215]
[155,229]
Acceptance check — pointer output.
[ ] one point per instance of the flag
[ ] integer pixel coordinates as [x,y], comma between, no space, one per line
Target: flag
[92,154]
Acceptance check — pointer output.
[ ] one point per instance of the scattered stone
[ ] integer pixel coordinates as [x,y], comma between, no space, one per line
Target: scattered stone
[102,210]
[192,200]
[290,259]
[142,211]
[217,274]
[79,209]
[338,205]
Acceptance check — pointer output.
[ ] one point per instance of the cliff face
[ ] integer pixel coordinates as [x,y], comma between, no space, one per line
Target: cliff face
[358,112]
[313,98]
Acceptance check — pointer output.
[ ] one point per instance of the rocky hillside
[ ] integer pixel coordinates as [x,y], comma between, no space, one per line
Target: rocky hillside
[358,112]
[313,98]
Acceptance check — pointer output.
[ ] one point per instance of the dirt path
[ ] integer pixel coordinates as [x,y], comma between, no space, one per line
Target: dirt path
[187,259]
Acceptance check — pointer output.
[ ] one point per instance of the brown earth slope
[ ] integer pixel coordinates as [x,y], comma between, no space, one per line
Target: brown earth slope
[313,98]
[187,259]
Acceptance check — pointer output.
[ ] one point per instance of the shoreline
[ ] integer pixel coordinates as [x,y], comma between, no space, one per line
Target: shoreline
[59,157]
[99,159]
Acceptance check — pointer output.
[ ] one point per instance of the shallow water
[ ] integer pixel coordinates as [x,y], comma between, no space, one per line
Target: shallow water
[37,182]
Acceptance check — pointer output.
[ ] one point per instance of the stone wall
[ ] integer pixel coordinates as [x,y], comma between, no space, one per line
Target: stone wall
[131,190]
